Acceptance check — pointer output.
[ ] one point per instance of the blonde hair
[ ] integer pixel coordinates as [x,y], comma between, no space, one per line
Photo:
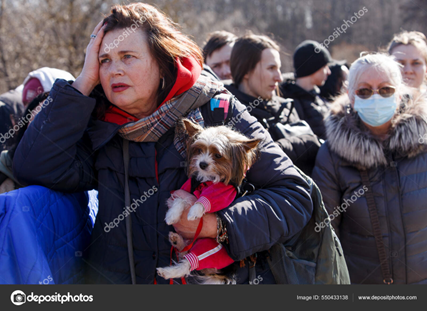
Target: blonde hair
[414,38]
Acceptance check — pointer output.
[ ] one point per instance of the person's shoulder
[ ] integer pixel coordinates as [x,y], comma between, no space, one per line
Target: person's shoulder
[219,109]
[208,72]
[326,158]
[288,80]
[325,149]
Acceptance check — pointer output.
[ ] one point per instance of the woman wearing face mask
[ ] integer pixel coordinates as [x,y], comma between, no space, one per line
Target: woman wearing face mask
[410,50]
[255,69]
[373,176]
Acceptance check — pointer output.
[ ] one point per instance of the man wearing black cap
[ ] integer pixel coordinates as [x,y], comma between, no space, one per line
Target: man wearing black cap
[311,71]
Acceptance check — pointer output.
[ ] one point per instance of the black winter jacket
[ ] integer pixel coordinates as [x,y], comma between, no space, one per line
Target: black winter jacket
[309,105]
[397,170]
[302,149]
[11,108]
[66,150]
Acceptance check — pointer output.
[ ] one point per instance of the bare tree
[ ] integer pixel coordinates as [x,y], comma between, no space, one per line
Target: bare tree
[38,33]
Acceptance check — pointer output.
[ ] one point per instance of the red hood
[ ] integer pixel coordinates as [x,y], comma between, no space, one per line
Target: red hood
[187,74]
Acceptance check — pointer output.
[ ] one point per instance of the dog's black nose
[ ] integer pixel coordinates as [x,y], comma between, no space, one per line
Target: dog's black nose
[203,165]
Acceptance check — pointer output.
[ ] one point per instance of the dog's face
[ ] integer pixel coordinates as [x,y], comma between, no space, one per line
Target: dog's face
[219,154]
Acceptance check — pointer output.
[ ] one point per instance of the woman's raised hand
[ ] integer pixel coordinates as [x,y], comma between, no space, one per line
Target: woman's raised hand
[89,77]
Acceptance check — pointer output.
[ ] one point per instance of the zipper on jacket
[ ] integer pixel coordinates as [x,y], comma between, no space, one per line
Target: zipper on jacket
[396,172]
[387,216]
[157,234]
[156,167]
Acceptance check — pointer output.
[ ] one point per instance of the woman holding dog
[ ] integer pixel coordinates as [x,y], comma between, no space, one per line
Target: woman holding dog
[373,175]
[118,119]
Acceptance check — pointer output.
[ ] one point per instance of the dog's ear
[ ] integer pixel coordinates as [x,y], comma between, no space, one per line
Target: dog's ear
[251,144]
[191,128]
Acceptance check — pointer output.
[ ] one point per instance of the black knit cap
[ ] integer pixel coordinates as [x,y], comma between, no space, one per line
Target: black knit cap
[310,56]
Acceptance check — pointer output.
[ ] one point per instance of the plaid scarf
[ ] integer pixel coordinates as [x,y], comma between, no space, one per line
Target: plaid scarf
[151,128]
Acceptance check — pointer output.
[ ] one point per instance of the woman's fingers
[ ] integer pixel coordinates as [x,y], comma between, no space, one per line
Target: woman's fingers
[96,42]
[97,36]
[187,228]
[89,77]
[97,27]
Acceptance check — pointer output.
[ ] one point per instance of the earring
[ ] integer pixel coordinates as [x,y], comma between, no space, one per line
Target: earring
[163,83]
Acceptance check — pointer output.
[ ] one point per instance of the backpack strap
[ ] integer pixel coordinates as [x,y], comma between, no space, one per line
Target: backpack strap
[278,117]
[128,219]
[373,215]
[219,110]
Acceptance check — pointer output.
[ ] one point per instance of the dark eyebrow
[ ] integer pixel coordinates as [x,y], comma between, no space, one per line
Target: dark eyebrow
[217,63]
[127,51]
[120,52]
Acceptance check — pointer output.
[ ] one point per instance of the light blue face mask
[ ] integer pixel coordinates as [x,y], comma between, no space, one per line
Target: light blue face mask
[376,110]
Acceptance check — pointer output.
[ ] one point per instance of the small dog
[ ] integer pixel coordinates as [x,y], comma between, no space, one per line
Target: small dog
[218,160]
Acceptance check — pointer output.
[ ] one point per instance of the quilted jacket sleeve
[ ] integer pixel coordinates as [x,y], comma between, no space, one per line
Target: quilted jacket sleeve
[55,151]
[42,234]
[326,179]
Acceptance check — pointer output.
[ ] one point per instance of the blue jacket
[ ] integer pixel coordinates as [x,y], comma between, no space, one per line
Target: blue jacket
[66,150]
[42,236]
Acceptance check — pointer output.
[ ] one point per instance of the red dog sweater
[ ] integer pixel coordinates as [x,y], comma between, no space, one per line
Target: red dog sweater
[207,252]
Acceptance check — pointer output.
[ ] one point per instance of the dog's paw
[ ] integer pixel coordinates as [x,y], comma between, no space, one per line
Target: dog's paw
[179,270]
[176,240]
[161,272]
[172,216]
[196,212]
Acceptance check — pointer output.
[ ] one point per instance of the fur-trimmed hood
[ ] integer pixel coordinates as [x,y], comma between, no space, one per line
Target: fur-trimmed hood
[348,137]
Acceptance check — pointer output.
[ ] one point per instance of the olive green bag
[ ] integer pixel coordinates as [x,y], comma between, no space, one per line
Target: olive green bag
[314,255]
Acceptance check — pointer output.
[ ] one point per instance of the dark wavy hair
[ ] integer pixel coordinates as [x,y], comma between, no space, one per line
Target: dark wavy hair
[166,43]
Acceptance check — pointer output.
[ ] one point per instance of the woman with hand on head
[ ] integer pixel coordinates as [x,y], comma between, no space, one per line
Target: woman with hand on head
[410,50]
[372,174]
[113,129]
